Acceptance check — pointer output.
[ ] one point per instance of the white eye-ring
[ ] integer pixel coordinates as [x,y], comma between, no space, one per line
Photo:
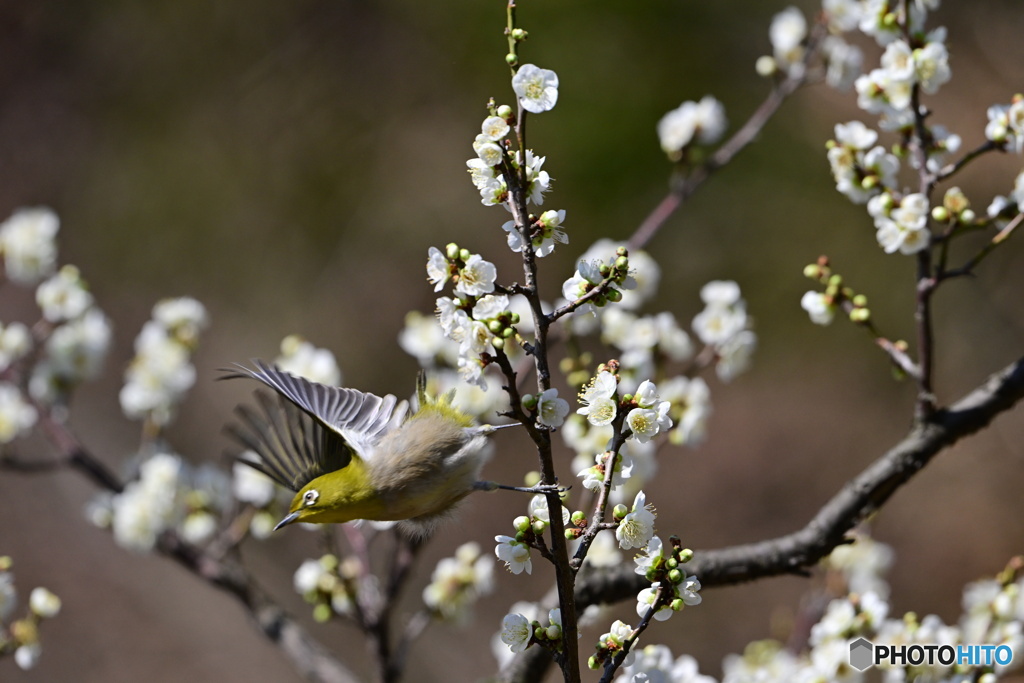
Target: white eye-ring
[311,497]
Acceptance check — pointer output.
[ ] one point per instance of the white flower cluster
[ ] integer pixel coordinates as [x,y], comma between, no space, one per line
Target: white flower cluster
[648,418]
[457,582]
[476,318]
[1006,125]
[22,636]
[28,244]
[167,495]
[517,629]
[322,583]
[701,122]
[162,372]
[303,359]
[655,664]
[725,326]
[17,416]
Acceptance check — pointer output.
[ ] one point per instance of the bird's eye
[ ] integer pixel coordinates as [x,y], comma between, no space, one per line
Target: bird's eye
[310,497]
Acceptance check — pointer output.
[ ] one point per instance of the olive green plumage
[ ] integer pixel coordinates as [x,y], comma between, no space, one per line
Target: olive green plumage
[353,455]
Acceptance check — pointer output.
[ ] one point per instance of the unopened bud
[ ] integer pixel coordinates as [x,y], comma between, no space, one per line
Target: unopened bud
[519,34]
[451,250]
[464,254]
[505,112]
[511,59]
[620,511]
[940,214]
[676,576]
[677,605]
[593,664]
[521,523]
[685,555]
[968,216]
[613,295]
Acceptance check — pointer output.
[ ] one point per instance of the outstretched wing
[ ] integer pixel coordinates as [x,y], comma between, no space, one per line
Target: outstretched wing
[293,448]
[329,427]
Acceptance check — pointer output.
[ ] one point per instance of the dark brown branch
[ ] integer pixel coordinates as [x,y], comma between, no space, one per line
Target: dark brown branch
[796,553]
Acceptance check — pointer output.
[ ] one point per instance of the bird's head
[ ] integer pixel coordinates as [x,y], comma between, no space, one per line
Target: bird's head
[335,497]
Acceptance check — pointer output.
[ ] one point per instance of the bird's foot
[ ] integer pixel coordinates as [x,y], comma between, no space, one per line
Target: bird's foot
[539,488]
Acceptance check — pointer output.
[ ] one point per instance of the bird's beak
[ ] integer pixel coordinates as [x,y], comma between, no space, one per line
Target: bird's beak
[291,517]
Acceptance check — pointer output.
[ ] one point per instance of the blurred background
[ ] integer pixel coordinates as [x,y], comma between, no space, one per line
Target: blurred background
[289,164]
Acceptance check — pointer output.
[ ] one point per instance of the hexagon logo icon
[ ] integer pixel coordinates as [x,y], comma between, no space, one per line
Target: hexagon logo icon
[861,654]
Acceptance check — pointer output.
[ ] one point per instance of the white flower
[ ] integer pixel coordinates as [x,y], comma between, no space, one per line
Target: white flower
[595,476]
[43,603]
[16,415]
[643,422]
[250,485]
[734,355]
[422,337]
[688,591]
[931,66]
[818,307]
[652,554]
[550,224]
[490,306]
[598,405]
[604,552]
[303,359]
[645,600]
[723,292]
[787,33]
[15,343]
[855,135]
[477,277]
[487,150]
[307,577]
[494,127]
[183,317]
[27,656]
[63,296]
[637,527]
[536,88]
[438,271]
[551,410]
[515,554]
[27,243]
[457,582]
[843,15]
[198,527]
[516,632]
[717,324]
[75,351]
[691,399]
[703,122]
[538,509]
[617,636]
[147,506]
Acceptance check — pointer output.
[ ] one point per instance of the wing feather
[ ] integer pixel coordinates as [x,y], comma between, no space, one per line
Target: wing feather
[311,429]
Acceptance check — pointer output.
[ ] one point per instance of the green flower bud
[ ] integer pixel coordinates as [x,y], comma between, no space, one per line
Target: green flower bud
[498,343]
[495,326]
[539,526]
[812,271]
[620,511]
[514,318]
[651,574]
[622,263]
[860,301]
[593,664]
[518,34]
[613,295]
[671,563]
[685,555]
[940,214]
[677,605]
[860,315]
[968,216]
[531,479]
[554,632]
[521,523]
[511,59]
[529,401]
[622,251]
[539,632]
[508,332]
[578,518]
[571,534]
[322,613]
[329,562]
[835,281]
[464,254]
[676,576]
[505,112]
[451,250]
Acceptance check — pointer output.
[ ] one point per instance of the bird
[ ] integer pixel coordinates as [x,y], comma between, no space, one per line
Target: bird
[351,455]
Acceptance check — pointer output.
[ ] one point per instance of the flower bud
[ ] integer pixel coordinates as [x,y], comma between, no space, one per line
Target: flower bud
[765,66]
[676,576]
[508,332]
[554,632]
[860,315]
[464,254]
[529,401]
[671,562]
[685,555]
[495,326]
[451,250]
[579,518]
[860,301]
[518,34]
[521,523]
[968,216]
[613,295]
[620,511]
[940,214]
[677,605]
[322,613]
[498,343]
[511,59]
[505,112]
[593,664]
[539,526]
